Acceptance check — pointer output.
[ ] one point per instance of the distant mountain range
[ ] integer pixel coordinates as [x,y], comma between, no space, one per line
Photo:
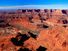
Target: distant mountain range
[35,7]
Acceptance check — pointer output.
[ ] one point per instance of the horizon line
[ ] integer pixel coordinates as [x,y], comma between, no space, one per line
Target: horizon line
[35,7]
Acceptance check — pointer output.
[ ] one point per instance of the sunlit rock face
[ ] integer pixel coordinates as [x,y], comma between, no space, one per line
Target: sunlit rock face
[34,30]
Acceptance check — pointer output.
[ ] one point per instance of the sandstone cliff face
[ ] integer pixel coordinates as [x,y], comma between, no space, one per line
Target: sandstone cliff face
[34,30]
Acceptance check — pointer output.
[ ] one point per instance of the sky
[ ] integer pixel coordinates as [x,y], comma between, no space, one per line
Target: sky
[31,2]
[9,3]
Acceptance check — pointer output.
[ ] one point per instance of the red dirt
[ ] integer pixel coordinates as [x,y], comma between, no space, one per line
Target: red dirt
[53,38]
